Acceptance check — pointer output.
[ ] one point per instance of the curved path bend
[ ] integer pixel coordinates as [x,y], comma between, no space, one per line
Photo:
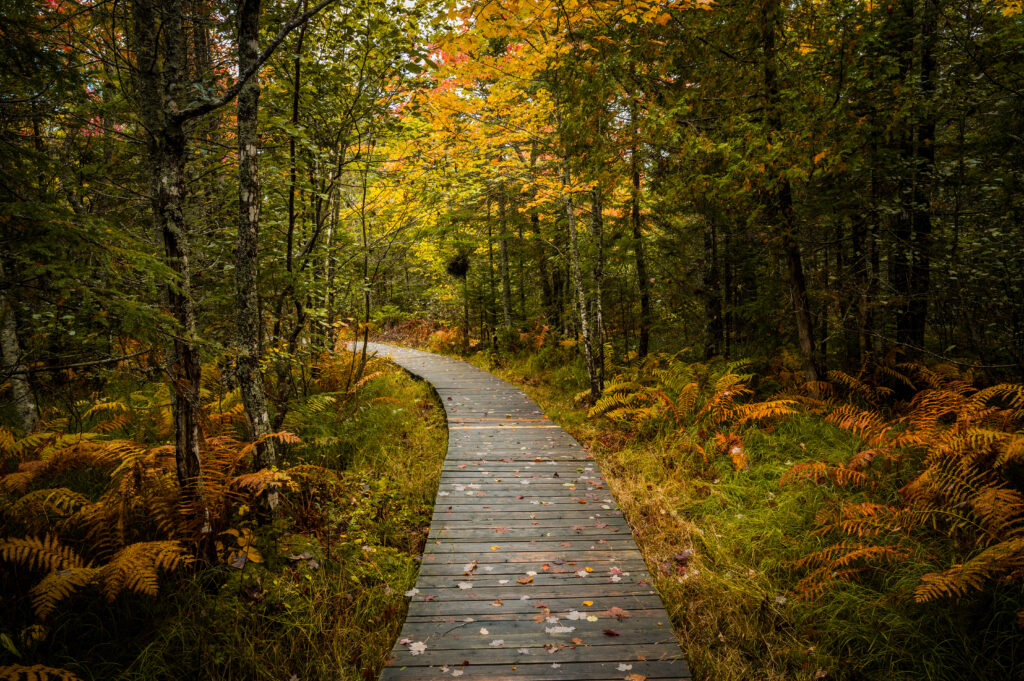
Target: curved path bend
[530,572]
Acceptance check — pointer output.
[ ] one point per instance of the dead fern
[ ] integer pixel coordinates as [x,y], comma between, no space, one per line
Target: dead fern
[36,672]
[950,452]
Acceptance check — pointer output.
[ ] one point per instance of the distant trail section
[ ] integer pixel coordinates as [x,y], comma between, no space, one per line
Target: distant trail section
[530,571]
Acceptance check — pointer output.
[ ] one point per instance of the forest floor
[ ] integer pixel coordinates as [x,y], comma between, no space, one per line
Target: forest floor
[320,593]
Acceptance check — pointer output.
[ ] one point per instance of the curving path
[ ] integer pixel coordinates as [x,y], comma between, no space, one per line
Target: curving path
[530,571]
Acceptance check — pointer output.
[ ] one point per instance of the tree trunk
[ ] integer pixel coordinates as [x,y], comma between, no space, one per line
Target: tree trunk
[506,284]
[780,199]
[711,291]
[924,165]
[581,295]
[159,41]
[247,318]
[597,226]
[14,367]
[643,280]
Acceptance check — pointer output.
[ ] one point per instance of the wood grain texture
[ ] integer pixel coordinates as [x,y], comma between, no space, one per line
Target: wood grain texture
[530,572]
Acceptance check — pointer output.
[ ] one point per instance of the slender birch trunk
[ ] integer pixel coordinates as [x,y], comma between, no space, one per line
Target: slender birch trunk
[247,318]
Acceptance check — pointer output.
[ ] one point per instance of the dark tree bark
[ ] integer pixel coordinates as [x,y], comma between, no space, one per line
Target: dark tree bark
[247,316]
[711,291]
[581,294]
[14,369]
[597,227]
[159,42]
[780,197]
[506,283]
[643,279]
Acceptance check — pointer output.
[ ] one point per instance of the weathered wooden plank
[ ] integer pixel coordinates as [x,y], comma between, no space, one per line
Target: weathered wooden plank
[523,606]
[446,635]
[544,671]
[510,652]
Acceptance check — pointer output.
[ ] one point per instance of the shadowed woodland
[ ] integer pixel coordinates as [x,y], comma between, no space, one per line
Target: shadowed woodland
[764,260]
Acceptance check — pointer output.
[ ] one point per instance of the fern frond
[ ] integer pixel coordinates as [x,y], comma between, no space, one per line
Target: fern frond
[136,567]
[57,587]
[36,672]
[1000,510]
[59,501]
[819,472]
[44,554]
[996,561]
[757,411]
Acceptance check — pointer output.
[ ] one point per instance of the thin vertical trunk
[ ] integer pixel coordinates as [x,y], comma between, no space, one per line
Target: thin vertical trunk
[581,294]
[522,273]
[158,37]
[506,284]
[250,378]
[14,369]
[780,198]
[597,227]
[643,280]
[924,165]
[711,291]
[491,304]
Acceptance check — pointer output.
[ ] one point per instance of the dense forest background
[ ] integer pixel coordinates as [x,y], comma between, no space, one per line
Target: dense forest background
[203,202]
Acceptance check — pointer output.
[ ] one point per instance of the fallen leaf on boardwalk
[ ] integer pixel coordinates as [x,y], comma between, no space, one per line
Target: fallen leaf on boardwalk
[431,597]
[469,567]
[623,667]
[523,651]
[417,648]
[545,566]
[617,613]
[636,677]
[412,592]
[610,632]
[465,585]
[483,631]
[525,580]
[457,672]
[497,643]
[495,548]
[591,618]
[559,630]
[588,603]
[405,641]
[496,602]
[577,640]
[589,569]
[540,604]
[600,525]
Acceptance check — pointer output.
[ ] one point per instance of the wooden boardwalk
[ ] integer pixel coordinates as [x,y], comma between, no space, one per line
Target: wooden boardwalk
[530,571]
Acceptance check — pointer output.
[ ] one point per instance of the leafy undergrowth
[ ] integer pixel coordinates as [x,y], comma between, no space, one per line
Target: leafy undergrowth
[727,535]
[315,593]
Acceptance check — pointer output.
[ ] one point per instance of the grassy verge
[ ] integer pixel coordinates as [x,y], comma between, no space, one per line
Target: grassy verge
[321,596]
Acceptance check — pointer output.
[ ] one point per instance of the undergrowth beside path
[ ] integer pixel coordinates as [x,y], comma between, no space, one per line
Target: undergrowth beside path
[315,594]
[725,534]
